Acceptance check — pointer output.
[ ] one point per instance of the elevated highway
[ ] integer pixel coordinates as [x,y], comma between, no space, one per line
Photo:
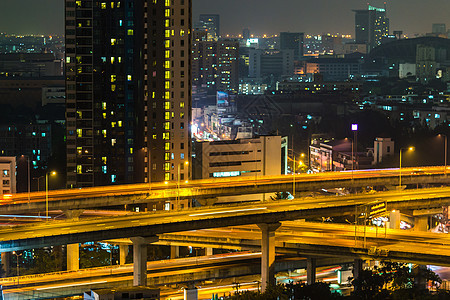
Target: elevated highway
[202,190]
[151,224]
[160,273]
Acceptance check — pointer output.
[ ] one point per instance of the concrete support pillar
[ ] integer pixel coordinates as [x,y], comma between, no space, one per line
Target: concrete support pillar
[140,259]
[208,251]
[123,252]
[357,268]
[174,252]
[191,294]
[310,270]
[6,263]
[420,279]
[268,254]
[394,219]
[421,223]
[73,257]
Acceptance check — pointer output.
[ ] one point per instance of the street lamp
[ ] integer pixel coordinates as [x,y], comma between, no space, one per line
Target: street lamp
[186,163]
[445,152]
[400,169]
[46,192]
[355,142]
[17,260]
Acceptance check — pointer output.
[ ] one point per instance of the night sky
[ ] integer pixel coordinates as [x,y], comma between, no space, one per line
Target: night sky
[261,16]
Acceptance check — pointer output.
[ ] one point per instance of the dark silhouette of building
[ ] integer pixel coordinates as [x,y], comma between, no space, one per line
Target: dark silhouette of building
[292,41]
[371,26]
[210,24]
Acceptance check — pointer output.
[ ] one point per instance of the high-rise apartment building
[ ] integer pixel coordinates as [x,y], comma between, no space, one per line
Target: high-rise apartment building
[292,41]
[371,26]
[127,90]
[210,24]
[215,65]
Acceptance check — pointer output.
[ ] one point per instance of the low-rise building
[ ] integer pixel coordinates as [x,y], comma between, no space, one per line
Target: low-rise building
[8,175]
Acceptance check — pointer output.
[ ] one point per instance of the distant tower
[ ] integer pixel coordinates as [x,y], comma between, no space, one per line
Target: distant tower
[371,26]
[292,41]
[246,33]
[210,24]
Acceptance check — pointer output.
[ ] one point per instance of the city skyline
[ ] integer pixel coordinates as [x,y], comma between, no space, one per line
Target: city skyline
[410,16]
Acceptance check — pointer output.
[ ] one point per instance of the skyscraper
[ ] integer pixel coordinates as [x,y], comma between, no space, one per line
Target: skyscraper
[292,41]
[211,24]
[127,90]
[371,26]
[215,65]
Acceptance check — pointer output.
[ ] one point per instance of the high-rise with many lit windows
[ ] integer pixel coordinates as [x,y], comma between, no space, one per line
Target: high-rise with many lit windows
[127,90]
[371,26]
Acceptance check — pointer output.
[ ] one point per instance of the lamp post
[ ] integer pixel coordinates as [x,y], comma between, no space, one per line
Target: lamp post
[445,152]
[17,260]
[400,169]
[46,192]
[354,146]
[186,163]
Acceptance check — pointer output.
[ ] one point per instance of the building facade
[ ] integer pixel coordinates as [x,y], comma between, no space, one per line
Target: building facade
[8,175]
[265,155]
[127,90]
[371,26]
[292,41]
[211,24]
[215,65]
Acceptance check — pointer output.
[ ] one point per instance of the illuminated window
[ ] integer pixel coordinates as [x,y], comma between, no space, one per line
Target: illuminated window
[129,77]
[113,42]
[181,104]
[167,115]
[80,132]
[182,115]
[167,166]
[113,78]
[166,135]
[167,74]
[167,23]
[167,95]
[167,146]
[130,31]
[167,43]
[167,2]
[167,125]
[112,4]
[167,12]
[167,53]
[182,32]
[119,123]
[103,5]
[167,156]
[112,59]
[79,169]
[167,105]
[154,136]
[167,64]
[104,132]
[103,105]
[119,59]
[167,33]
[113,87]
[104,115]
[167,177]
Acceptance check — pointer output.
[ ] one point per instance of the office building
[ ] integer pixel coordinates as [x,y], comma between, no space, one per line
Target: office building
[8,175]
[215,65]
[292,41]
[127,90]
[439,28]
[371,26]
[264,155]
[267,63]
[210,24]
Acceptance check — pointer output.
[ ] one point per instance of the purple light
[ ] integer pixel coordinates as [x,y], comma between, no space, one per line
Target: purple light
[354,127]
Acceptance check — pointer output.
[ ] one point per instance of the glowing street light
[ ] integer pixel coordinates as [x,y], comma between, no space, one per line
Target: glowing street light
[400,169]
[46,192]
